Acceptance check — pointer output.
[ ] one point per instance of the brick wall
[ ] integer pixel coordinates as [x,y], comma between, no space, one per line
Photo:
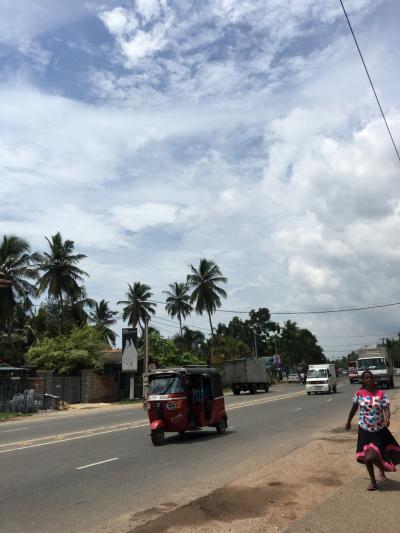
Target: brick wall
[97,387]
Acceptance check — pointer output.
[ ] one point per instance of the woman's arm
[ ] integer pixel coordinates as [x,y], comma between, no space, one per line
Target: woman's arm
[353,411]
[386,414]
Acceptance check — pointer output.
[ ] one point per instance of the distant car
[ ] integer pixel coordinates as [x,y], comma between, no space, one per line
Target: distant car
[293,378]
[353,375]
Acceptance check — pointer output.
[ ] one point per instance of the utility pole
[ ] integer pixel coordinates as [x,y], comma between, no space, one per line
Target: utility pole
[146,355]
[255,344]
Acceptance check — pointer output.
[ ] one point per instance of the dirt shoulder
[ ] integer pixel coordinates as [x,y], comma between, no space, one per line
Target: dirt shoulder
[271,498]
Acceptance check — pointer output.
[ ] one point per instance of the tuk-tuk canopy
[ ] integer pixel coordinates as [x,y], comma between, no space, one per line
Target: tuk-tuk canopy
[203,371]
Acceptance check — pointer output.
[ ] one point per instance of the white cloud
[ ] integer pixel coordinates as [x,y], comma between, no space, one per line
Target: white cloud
[252,140]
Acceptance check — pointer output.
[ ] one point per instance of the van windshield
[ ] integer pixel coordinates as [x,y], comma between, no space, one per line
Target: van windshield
[371,363]
[165,385]
[317,373]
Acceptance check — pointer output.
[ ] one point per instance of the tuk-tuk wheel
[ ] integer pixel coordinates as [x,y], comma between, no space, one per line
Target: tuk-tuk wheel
[157,436]
[221,426]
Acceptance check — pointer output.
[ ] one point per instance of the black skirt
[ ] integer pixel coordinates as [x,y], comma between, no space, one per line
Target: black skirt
[383,443]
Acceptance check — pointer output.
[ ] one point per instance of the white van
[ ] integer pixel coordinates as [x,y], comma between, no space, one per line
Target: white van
[321,378]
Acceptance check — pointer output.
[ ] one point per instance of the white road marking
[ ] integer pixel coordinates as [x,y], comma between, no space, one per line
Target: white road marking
[134,425]
[73,438]
[330,399]
[12,430]
[99,463]
[298,409]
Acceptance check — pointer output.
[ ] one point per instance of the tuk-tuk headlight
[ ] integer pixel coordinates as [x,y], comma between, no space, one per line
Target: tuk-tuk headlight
[171,406]
[146,406]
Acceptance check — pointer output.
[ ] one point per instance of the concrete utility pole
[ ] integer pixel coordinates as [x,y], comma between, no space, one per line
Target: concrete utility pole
[146,355]
[255,344]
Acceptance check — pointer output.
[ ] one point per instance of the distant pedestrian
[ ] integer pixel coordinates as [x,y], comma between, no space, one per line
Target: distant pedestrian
[375,444]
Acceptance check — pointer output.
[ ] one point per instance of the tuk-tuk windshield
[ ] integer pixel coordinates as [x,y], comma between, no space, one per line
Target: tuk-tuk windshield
[165,385]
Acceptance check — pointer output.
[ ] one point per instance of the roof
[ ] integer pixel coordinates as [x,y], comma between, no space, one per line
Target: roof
[186,370]
[4,367]
[112,357]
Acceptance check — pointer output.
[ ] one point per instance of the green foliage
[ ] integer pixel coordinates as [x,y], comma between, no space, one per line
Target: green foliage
[137,304]
[191,340]
[69,354]
[164,352]
[230,348]
[206,293]
[298,347]
[257,328]
[178,302]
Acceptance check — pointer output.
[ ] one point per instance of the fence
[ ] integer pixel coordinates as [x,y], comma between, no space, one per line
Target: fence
[23,393]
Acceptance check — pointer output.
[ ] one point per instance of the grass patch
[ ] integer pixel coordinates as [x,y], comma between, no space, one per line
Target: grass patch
[12,416]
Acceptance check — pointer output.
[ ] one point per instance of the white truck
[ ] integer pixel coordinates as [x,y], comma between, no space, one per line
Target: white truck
[246,375]
[379,362]
[321,378]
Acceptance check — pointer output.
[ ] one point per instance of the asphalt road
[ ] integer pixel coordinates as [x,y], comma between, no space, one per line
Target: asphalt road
[82,471]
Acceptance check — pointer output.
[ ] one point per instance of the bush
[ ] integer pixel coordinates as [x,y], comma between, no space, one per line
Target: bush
[69,354]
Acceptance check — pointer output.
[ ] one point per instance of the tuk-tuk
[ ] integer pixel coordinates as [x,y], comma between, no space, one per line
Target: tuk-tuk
[184,399]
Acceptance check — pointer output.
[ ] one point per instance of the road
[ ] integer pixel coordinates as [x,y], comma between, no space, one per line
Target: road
[83,471]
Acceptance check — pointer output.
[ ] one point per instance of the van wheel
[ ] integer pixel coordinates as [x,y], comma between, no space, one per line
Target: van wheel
[157,436]
[221,426]
[334,389]
[266,387]
[309,393]
[252,388]
[392,382]
[236,392]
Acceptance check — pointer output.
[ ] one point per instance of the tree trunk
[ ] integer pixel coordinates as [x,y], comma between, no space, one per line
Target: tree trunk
[180,322]
[211,326]
[211,345]
[60,312]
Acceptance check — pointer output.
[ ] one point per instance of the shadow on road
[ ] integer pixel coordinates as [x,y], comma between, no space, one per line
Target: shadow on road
[193,436]
[391,485]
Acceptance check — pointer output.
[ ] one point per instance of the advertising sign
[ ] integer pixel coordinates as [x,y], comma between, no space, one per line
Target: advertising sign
[277,361]
[129,349]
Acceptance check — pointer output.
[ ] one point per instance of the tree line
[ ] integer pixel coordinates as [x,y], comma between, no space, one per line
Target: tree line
[67,330]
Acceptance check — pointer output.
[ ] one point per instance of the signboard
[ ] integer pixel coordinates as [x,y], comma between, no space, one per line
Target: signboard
[277,361]
[129,349]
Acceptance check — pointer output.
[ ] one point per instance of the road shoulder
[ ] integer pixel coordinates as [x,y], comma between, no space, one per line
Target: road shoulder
[305,483]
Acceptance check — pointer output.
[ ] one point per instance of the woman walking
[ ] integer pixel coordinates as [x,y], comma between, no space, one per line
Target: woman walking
[375,444]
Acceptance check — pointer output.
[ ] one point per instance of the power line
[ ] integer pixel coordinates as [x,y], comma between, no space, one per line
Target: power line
[370,81]
[316,312]
[325,311]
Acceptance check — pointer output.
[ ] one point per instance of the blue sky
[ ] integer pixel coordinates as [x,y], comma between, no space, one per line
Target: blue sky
[156,132]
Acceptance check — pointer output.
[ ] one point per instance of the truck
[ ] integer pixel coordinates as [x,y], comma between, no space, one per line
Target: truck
[246,375]
[379,362]
[321,378]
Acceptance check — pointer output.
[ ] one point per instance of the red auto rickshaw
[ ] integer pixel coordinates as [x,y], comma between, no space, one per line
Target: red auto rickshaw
[185,399]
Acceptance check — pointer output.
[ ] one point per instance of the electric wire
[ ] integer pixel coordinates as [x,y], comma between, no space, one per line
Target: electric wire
[370,80]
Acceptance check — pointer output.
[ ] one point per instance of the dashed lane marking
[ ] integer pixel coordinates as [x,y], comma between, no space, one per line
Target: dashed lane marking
[98,463]
[12,430]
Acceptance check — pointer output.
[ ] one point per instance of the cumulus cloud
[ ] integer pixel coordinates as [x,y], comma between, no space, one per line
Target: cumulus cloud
[239,131]
[129,27]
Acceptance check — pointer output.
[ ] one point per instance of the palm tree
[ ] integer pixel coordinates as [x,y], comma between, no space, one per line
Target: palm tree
[102,318]
[206,293]
[60,275]
[17,267]
[178,302]
[137,305]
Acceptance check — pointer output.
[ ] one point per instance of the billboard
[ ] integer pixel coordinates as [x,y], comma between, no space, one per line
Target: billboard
[129,349]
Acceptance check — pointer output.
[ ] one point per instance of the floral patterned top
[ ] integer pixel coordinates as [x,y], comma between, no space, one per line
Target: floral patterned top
[371,404]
